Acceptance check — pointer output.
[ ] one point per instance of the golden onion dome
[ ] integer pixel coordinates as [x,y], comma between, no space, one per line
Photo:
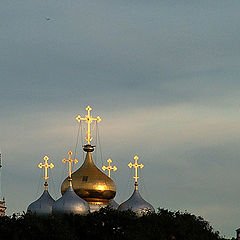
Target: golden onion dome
[90,183]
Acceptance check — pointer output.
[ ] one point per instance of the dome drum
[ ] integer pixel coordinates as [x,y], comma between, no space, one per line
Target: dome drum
[95,206]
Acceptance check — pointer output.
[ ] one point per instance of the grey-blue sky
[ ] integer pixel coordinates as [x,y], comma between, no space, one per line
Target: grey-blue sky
[164,76]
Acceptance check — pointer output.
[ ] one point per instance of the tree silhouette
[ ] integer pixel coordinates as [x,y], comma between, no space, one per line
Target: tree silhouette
[108,224]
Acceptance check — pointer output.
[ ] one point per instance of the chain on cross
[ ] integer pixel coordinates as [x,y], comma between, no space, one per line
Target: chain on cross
[46,166]
[89,119]
[70,160]
[136,166]
[109,167]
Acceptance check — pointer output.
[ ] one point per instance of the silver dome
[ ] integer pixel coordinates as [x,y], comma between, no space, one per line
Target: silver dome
[137,204]
[69,203]
[113,204]
[42,206]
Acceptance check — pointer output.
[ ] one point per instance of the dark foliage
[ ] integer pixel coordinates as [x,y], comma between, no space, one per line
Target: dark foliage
[108,224]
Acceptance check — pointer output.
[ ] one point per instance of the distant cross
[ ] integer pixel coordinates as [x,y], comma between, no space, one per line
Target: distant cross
[89,119]
[46,166]
[70,160]
[109,167]
[136,166]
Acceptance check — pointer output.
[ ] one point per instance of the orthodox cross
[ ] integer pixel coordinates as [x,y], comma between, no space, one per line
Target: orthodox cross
[109,167]
[70,160]
[46,166]
[89,119]
[136,166]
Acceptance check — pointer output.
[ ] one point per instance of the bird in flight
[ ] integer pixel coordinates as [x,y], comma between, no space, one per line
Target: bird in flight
[47,18]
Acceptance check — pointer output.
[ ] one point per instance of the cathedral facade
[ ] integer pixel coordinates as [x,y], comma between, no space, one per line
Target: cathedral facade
[88,188]
[2,207]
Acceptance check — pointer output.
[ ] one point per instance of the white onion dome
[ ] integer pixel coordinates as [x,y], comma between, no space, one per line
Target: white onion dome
[137,204]
[43,205]
[70,203]
[113,204]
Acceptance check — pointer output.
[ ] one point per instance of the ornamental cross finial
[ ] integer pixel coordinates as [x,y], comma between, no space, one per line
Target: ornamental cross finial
[109,167]
[70,160]
[136,166]
[46,166]
[89,119]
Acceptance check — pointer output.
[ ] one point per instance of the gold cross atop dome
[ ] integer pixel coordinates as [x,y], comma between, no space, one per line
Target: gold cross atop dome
[46,166]
[70,160]
[136,166]
[89,119]
[109,167]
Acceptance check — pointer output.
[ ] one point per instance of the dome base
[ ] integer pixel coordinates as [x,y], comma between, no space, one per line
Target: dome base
[95,206]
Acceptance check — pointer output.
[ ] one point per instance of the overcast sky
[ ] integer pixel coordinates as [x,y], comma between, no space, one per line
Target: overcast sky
[163,76]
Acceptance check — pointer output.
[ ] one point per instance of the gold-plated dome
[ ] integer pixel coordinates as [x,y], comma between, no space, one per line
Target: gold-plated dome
[90,183]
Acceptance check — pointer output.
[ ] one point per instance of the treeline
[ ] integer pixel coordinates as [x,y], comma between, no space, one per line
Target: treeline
[108,224]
